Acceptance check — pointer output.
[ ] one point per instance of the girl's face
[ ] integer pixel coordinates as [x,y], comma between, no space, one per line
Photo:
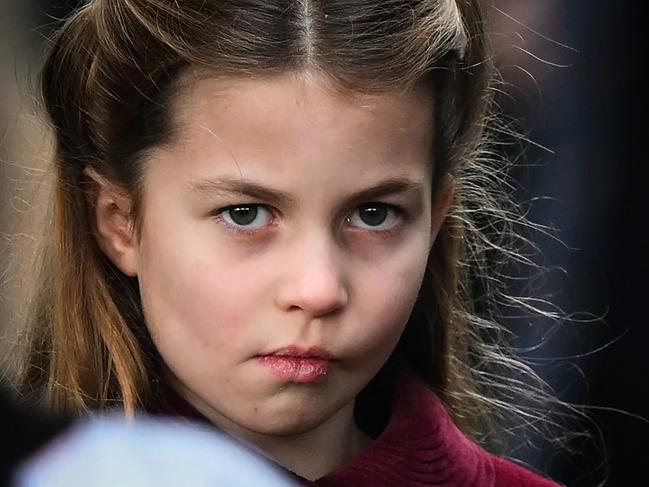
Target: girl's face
[284,219]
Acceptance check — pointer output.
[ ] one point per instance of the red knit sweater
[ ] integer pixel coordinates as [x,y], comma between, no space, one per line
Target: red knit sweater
[420,446]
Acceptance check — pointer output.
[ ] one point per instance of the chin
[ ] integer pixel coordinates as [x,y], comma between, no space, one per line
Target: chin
[287,421]
[288,424]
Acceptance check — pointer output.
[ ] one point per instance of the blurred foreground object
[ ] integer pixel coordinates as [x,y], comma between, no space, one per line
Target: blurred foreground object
[110,451]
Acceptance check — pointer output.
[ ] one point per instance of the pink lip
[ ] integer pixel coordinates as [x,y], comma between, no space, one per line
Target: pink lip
[299,352]
[297,364]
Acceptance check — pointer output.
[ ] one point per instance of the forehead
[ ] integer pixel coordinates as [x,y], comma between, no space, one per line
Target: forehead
[294,86]
[275,126]
[289,99]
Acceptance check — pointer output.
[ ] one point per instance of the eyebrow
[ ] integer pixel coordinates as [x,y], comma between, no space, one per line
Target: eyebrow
[245,187]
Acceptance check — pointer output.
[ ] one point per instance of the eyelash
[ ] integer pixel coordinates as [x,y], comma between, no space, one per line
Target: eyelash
[400,214]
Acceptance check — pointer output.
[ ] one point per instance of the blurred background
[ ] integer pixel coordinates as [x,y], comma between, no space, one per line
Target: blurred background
[571,73]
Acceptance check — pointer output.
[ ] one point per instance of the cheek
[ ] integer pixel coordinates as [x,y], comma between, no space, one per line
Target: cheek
[389,299]
[194,302]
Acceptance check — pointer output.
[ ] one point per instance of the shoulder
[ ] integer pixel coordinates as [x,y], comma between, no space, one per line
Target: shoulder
[509,474]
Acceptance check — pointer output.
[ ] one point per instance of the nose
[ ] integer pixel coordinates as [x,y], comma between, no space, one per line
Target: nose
[314,281]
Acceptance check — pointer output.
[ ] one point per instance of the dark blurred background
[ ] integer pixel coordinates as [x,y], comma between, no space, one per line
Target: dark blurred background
[572,79]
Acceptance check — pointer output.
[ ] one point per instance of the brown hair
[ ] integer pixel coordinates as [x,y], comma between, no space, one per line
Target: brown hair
[110,73]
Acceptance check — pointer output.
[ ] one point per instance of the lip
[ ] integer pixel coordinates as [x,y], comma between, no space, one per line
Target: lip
[297,364]
[300,352]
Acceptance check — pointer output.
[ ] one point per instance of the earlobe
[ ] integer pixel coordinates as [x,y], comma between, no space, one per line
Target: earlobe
[441,205]
[112,220]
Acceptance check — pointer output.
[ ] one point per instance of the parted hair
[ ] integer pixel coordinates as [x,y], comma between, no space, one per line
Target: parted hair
[111,71]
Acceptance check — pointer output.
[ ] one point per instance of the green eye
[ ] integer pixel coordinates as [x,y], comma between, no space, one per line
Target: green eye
[242,217]
[375,214]
[251,218]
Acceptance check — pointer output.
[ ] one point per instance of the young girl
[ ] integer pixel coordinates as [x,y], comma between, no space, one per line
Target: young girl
[269,215]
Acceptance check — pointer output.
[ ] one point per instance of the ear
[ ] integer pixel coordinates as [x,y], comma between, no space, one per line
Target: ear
[113,226]
[441,203]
